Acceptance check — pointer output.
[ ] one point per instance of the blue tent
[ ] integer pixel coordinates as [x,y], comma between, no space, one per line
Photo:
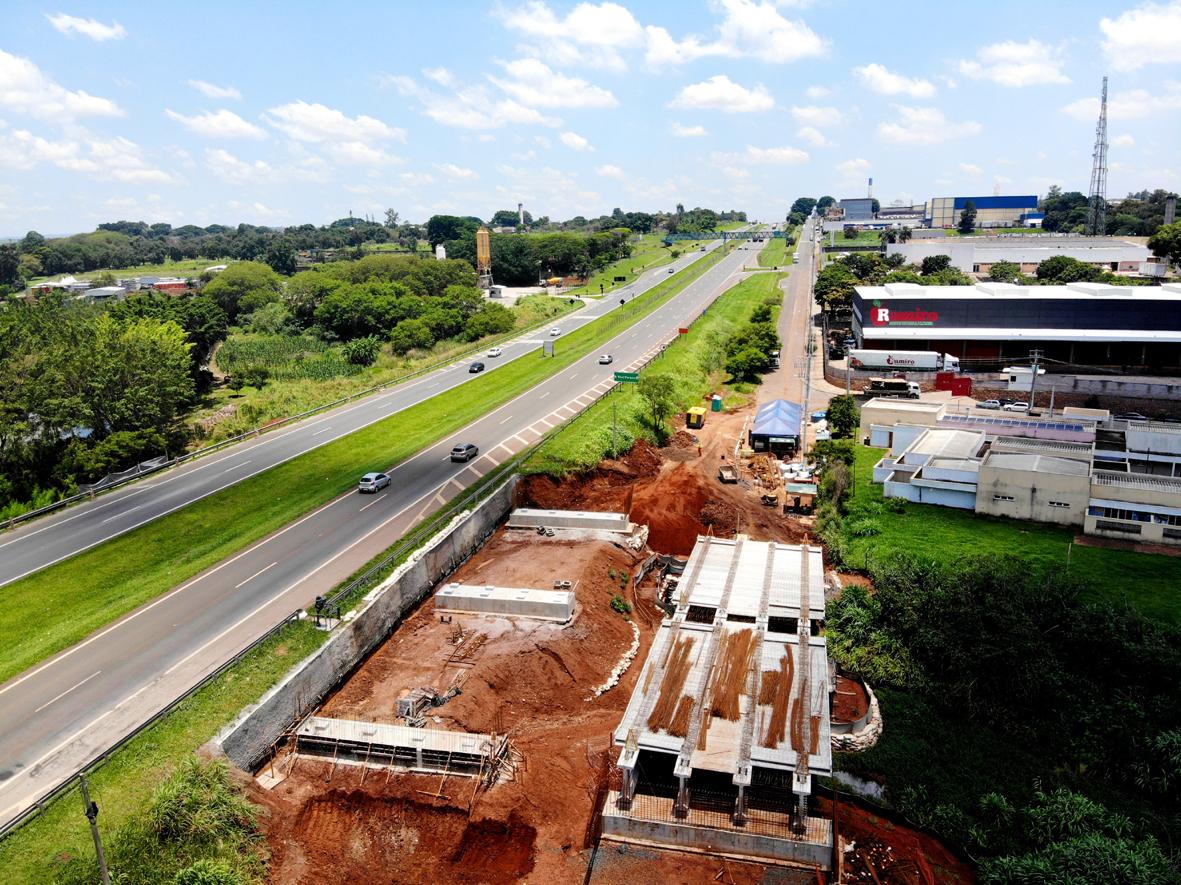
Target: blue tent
[777,427]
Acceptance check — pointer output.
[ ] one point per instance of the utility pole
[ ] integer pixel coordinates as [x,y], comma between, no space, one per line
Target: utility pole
[1035,359]
[1097,197]
[91,810]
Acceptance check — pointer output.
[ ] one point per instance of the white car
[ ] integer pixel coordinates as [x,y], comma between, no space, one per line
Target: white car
[606,359]
[496,351]
[555,332]
[1017,407]
[989,404]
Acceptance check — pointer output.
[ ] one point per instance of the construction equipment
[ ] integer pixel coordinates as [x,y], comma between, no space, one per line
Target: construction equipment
[727,474]
[695,418]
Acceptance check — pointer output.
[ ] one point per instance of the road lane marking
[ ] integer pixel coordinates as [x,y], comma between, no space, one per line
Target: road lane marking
[124,513]
[544,395]
[506,448]
[523,441]
[236,466]
[256,574]
[506,419]
[325,430]
[376,500]
[67,691]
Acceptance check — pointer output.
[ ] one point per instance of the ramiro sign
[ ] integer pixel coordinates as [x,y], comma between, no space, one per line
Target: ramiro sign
[886,316]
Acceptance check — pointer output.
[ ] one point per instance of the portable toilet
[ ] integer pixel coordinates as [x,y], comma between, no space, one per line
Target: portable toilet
[715,403]
[695,418]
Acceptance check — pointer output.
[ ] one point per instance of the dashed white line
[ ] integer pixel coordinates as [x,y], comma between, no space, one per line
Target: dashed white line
[255,575]
[544,395]
[318,432]
[235,467]
[371,503]
[67,691]
[507,418]
[124,513]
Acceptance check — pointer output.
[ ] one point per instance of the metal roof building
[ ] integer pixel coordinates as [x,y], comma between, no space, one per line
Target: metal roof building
[777,427]
[978,254]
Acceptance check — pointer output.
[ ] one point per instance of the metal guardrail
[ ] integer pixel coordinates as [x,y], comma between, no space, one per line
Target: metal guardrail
[68,783]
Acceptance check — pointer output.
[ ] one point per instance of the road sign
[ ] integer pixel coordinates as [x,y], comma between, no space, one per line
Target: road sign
[682,331]
[627,377]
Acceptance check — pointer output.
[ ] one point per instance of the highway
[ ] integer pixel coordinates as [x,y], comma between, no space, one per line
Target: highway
[43,542]
[66,711]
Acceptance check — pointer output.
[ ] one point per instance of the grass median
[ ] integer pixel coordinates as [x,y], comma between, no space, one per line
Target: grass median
[64,603]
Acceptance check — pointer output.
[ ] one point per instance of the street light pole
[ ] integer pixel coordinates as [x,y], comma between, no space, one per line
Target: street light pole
[91,810]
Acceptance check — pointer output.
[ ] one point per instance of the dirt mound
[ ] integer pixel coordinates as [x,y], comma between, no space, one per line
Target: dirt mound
[671,508]
[607,488]
[721,516]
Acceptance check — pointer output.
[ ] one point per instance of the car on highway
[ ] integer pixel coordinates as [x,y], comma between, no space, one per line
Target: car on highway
[1130,416]
[606,359]
[373,482]
[464,452]
[672,270]
[475,368]
[555,332]
[989,404]
[1017,407]
[494,352]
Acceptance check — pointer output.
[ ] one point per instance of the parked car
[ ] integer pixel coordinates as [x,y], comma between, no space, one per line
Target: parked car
[496,351]
[475,368]
[606,359]
[464,452]
[373,482]
[672,270]
[1017,407]
[989,404]
[1131,416]
[555,332]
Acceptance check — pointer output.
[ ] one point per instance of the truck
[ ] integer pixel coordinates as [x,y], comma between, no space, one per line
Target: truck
[893,387]
[904,360]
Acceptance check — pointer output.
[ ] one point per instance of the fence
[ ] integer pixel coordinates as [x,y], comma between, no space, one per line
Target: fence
[68,783]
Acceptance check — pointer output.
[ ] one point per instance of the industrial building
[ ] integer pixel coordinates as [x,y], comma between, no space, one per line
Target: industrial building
[1112,478]
[856,209]
[730,718]
[978,254]
[990,324]
[995,211]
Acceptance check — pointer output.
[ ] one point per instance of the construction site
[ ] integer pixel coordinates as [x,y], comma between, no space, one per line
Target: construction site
[626,680]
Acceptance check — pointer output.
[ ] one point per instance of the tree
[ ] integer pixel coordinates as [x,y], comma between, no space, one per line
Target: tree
[1005,272]
[1166,243]
[843,417]
[237,281]
[659,392]
[505,218]
[888,236]
[968,218]
[824,202]
[410,335]
[904,235]
[491,319]
[834,287]
[747,363]
[441,228]
[391,218]
[363,351]
[1064,269]
[802,206]
[935,263]
[9,264]
[281,258]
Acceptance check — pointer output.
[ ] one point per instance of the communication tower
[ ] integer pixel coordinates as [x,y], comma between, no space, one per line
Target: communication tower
[1097,202]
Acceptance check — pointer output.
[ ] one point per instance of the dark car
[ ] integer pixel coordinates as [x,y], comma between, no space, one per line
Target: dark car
[373,482]
[464,452]
[1131,416]
[476,367]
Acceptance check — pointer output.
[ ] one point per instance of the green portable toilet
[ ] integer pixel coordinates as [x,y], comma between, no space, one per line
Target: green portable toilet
[715,404]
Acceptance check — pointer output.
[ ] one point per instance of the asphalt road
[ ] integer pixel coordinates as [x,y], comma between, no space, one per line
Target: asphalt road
[66,711]
[43,542]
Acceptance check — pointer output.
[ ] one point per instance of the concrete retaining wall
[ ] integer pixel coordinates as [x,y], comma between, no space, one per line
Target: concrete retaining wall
[248,739]
[524,517]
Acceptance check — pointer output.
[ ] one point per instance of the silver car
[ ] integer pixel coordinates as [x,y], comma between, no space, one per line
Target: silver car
[373,482]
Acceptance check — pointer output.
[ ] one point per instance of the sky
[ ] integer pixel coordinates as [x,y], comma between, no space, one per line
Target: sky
[288,113]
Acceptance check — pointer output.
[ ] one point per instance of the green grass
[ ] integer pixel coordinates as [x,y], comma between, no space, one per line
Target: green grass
[68,601]
[990,231]
[777,253]
[1150,582]
[584,442]
[649,252]
[122,786]
[189,267]
[863,238]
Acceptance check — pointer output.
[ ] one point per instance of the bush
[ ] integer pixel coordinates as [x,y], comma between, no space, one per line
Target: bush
[209,872]
[621,605]
[363,351]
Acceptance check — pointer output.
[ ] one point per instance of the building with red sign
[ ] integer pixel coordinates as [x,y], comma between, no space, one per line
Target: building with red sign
[1079,324]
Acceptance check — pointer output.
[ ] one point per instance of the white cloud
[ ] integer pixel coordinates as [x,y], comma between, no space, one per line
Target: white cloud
[609,171]
[815,92]
[687,131]
[25,89]
[534,84]
[923,126]
[575,142]
[1148,34]
[217,124]
[468,108]
[591,33]
[813,136]
[360,153]
[212,90]
[971,169]
[1123,141]
[748,30]
[417,179]
[1001,180]
[720,93]
[439,75]
[456,171]
[1132,104]
[853,170]
[87,27]
[1031,63]
[317,123]
[820,117]
[774,156]
[106,159]
[886,82]
[228,167]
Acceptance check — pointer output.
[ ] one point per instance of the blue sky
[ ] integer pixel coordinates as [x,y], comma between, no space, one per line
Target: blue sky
[285,113]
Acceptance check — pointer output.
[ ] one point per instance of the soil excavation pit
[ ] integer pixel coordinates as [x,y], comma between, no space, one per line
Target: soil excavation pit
[530,680]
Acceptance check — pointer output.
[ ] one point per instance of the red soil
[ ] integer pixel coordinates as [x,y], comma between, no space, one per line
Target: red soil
[851,701]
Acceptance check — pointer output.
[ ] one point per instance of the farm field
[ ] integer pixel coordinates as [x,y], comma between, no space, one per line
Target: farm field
[190,267]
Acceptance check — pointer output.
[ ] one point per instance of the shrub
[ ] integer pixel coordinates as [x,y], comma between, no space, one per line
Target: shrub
[621,605]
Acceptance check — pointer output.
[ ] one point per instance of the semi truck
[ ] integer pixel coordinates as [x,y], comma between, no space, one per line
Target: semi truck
[893,387]
[904,360]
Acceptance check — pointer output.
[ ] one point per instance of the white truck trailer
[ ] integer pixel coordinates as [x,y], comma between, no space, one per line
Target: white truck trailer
[904,360]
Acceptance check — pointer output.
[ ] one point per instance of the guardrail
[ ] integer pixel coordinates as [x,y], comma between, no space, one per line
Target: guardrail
[68,783]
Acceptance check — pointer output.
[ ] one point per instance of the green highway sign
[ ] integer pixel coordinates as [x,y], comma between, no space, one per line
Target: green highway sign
[627,377]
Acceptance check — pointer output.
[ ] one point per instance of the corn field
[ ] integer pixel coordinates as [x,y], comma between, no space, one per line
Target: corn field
[285,357]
